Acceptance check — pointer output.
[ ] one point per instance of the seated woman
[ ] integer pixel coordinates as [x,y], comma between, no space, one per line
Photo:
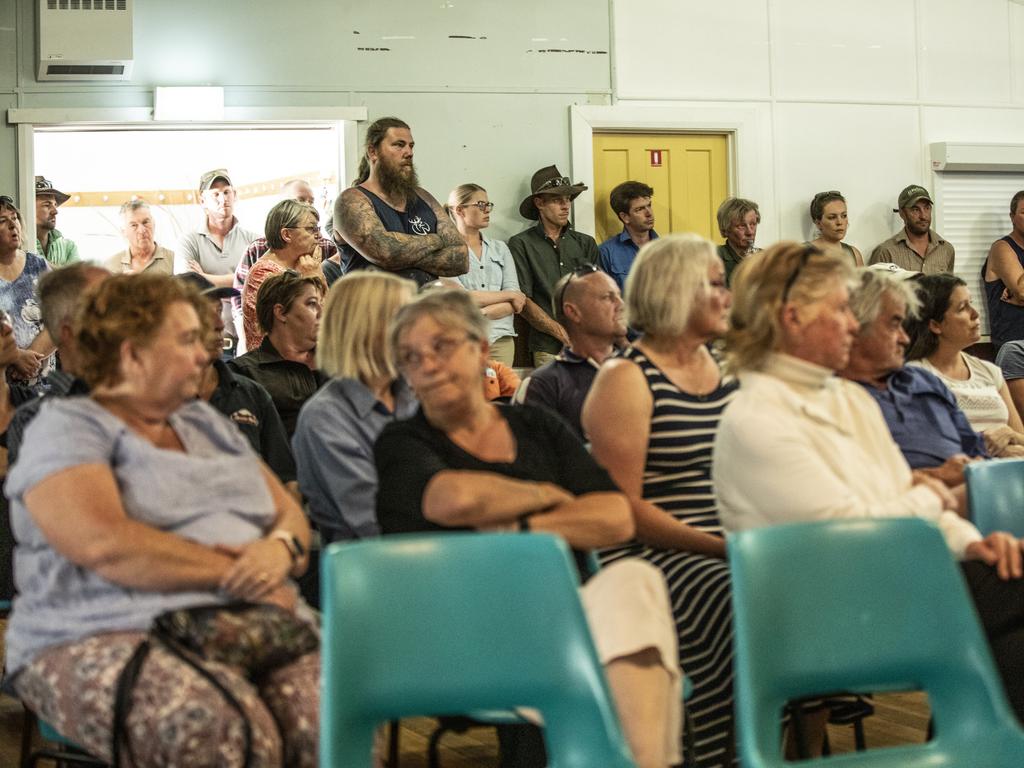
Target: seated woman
[293,233]
[172,510]
[798,443]
[946,324]
[828,212]
[464,463]
[338,426]
[19,273]
[670,392]
[288,307]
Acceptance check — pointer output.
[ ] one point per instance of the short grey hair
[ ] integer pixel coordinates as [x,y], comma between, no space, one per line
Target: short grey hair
[667,278]
[287,213]
[448,307]
[871,287]
[133,205]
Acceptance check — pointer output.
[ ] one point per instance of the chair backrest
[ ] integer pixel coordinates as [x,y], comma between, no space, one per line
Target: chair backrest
[859,605]
[450,623]
[995,495]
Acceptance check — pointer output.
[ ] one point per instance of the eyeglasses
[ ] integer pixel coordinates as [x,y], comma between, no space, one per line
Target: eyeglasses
[564,181]
[440,349]
[581,271]
[311,230]
[484,207]
[809,251]
[830,193]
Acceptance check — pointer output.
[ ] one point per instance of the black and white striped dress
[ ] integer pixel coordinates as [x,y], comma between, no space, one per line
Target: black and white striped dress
[677,478]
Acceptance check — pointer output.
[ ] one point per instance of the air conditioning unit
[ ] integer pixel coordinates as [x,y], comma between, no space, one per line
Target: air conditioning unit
[85,40]
[962,156]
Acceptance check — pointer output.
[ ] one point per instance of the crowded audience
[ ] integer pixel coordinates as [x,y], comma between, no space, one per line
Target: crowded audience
[203,430]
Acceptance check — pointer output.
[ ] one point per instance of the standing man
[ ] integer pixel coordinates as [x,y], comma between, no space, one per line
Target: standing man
[631,202]
[916,247]
[50,243]
[389,221]
[142,254]
[590,309]
[737,221]
[214,250]
[546,252]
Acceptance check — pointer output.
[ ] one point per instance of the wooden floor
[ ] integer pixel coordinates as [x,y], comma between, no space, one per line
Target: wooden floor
[899,719]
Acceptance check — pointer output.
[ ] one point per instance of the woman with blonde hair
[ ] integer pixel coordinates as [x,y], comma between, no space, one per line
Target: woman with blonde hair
[799,443]
[491,280]
[338,426]
[671,393]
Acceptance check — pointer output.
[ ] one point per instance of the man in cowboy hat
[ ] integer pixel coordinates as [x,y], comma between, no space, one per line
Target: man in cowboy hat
[546,252]
[50,243]
[917,246]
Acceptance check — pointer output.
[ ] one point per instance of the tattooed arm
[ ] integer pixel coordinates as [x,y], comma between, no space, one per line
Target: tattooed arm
[442,254]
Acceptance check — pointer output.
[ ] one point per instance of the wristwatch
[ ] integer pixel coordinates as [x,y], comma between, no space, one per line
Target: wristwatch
[291,541]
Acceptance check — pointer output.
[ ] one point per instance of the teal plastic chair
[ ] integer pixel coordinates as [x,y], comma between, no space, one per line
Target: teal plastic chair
[995,495]
[457,623]
[865,605]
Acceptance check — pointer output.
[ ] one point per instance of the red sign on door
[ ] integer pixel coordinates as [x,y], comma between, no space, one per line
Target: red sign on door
[656,158]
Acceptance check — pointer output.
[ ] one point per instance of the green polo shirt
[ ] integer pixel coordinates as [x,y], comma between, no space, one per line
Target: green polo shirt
[540,262]
[59,250]
[730,260]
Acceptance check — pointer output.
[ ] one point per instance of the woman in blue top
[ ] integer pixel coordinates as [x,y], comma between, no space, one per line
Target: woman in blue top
[492,280]
[19,273]
[138,500]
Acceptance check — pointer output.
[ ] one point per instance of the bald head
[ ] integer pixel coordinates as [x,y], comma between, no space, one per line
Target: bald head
[60,292]
[590,304]
[297,189]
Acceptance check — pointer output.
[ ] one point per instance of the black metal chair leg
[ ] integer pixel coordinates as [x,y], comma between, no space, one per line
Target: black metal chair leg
[393,735]
[434,747]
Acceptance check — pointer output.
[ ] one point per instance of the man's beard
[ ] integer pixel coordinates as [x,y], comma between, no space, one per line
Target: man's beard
[396,184]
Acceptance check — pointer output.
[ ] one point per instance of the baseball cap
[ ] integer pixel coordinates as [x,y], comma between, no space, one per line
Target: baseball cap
[206,288]
[207,179]
[911,195]
[894,271]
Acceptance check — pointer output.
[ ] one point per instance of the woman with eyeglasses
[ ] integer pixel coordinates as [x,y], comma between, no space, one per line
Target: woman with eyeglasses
[292,232]
[19,273]
[491,280]
[651,416]
[829,214]
[799,443]
[462,463]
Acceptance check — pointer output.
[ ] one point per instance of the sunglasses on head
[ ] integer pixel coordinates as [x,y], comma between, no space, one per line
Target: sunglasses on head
[581,271]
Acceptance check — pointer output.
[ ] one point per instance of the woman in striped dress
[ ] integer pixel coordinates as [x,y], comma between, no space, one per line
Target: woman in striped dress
[651,417]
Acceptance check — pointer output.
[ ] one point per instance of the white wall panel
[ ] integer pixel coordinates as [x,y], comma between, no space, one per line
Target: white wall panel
[1017,51]
[965,51]
[830,50]
[869,153]
[677,49]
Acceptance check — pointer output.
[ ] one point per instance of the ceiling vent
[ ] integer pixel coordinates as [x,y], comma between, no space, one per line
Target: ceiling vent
[85,40]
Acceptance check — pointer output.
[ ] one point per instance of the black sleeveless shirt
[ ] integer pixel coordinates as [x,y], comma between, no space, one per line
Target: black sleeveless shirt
[1006,320]
[418,219]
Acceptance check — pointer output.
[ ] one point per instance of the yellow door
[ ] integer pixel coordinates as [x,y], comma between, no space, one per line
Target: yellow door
[689,174]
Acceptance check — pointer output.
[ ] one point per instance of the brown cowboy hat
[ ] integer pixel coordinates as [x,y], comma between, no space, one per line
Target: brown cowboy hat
[548,181]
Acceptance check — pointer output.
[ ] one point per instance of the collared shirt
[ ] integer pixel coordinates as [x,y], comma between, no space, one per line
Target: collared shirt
[731,259]
[924,419]
[493,271]
[59,250]
[162,262]
[540,262]
[617,255]
[333,446]
[289,383]
[248,405]
[938,257]
[561,386]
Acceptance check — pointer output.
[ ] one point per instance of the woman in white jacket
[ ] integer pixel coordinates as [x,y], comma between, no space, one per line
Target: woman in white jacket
[798,443]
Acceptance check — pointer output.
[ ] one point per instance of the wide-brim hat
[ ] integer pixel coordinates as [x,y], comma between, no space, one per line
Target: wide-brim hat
[207,288]
[45,187]
[548,181]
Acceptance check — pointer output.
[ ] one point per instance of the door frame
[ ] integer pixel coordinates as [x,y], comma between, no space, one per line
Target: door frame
[28,120]
[740,124]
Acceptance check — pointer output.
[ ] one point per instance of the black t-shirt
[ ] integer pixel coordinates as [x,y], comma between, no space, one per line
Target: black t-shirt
[409,453]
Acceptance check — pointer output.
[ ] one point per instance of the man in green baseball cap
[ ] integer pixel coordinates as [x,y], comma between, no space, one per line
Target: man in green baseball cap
[916,247]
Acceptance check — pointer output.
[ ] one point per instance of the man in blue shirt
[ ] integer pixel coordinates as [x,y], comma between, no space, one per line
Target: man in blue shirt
[923,417]
[631,202]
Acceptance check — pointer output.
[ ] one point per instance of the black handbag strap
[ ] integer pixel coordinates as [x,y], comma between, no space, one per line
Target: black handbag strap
[126,684]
